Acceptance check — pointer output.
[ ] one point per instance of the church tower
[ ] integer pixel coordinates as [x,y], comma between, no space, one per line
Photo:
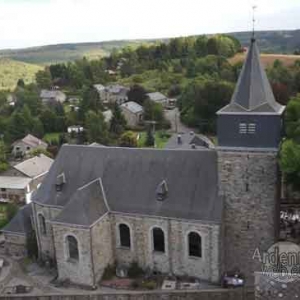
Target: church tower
[249,134]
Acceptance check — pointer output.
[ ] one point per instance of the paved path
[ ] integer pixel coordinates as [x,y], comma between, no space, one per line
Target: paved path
[176,125]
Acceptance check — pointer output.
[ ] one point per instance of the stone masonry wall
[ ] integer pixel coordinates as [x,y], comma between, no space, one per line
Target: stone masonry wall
[45,242]
[248,183]
[81,271]
[102,246]
[175,259]
[15,244]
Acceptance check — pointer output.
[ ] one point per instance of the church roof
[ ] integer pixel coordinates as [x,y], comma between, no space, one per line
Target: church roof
[21,222]
[253,93]
[129,180]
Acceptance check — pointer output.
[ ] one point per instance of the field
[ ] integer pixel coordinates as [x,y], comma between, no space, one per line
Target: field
[268,59]
[11,71]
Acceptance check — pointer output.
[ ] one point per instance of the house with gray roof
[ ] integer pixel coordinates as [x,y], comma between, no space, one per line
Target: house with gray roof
[133,113]
[158,97]
[35,169]
[52,95]
[189,140]
[187,211]
[27,144]
[113,93]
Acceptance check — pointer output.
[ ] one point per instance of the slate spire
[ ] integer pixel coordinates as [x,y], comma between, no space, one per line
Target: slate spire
[253,92]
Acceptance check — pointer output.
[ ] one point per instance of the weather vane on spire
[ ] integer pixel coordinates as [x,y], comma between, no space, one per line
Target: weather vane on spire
[254,7]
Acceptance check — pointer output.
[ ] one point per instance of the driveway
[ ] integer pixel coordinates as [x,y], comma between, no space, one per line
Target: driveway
[177,126]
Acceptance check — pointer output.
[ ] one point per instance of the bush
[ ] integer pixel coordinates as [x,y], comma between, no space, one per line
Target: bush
[135,270]
[109,272]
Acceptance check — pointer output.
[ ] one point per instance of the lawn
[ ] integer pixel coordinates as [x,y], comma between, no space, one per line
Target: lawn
[12,70]
[51,137]
[161,139]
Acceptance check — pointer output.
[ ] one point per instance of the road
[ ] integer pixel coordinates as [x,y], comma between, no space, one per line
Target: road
[176,125]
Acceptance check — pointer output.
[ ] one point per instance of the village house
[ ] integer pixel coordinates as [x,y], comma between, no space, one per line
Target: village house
[196,212]
[15,189]
[27,144]
[133,113]
[48,96]
[188,140]
[113,93]
[158,97]
[20,180]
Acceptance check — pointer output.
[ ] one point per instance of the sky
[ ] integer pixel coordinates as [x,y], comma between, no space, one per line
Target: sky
[26,23]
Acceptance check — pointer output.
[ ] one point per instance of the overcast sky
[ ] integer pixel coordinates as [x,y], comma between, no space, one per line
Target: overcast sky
[25,23]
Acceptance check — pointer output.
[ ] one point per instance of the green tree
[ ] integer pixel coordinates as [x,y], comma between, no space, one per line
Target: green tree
[150,140]
[118,122]
[43,78]
[137,94]
[96,127]
[3,158]
[292,119]
[128,139]
[290,162]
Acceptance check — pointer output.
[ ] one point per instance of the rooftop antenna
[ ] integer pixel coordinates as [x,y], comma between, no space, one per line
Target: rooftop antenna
[253,20]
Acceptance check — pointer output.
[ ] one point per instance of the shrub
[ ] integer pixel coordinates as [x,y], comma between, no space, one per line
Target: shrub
[109,272]
[135,270]
[149,285]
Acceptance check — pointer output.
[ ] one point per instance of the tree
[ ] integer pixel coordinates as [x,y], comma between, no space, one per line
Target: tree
[290,162]
[137,94]
[201,99]
[43,78]
[3,159]
[39,151]
[128,139]
[96,127]
[150,141]
[292,119]
[21,83]
[118,122]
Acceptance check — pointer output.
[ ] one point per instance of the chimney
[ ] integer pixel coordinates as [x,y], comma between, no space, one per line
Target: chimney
[179,140]
[193,146]
[192,133]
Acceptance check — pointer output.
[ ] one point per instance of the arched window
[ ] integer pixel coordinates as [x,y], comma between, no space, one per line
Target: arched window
[42,224]
[124,234]
[158,240]
[72,247]
[195,244]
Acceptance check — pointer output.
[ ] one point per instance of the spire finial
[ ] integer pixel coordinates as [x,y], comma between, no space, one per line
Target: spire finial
[253,20]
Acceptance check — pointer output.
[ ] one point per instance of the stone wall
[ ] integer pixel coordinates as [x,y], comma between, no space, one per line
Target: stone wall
[78,271]
[45,242]
[102,249]
[175,259]
[15,244]
[232,294]
[248,183]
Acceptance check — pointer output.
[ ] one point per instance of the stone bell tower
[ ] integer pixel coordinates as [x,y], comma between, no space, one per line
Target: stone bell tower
[249,134]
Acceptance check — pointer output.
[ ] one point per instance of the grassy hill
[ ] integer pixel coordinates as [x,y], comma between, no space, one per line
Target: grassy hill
[67,52]
[285,42]
[11,71]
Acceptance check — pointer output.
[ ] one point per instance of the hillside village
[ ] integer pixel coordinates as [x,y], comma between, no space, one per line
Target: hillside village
[150,169]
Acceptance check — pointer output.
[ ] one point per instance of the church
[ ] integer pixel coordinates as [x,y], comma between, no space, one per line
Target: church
[198,212]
